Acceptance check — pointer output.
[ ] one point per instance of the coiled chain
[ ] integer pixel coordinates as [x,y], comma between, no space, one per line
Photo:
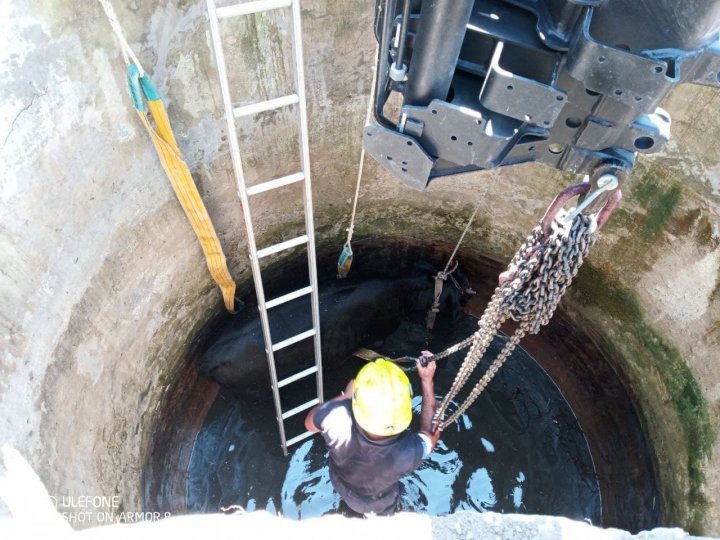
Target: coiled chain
[536,280]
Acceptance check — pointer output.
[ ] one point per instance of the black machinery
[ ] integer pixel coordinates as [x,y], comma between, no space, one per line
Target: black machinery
[573,84]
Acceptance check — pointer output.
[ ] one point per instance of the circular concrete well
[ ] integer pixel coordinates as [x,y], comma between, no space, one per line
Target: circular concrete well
[108,306]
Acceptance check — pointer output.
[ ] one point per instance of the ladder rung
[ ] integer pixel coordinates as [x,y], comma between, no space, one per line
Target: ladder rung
[262,106]
[264,252]
[299,438]
[300,408]
[297,376]
[273,184]
[249,8]
[294,339]
[287,297]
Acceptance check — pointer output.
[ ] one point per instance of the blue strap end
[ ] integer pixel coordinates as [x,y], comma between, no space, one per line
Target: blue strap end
[133,76]
[344,262]
[149,89]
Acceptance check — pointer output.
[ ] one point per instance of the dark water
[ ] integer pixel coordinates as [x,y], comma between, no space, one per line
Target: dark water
[518,449]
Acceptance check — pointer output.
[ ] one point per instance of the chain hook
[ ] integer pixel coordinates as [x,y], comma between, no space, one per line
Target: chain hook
[607,182]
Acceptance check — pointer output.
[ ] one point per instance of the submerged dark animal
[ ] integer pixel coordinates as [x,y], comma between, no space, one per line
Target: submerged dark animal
[351,315]
[455,293]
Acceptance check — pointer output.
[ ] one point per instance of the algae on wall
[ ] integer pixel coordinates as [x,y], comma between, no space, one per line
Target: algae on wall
[674,411]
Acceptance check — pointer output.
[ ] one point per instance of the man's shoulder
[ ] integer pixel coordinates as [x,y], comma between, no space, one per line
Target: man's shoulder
[411,439]
[328,408]
[335,422]
[409,451]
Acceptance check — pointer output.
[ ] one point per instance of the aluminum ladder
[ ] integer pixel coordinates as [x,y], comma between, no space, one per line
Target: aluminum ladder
[215,14]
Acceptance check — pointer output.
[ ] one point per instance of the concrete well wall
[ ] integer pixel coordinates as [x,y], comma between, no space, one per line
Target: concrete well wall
[104,286]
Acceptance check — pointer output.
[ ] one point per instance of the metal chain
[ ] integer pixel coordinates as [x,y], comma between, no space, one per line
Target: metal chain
[539,274]
[486,378]
[451,350]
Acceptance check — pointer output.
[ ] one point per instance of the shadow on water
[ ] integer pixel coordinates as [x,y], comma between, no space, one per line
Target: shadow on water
[518,449]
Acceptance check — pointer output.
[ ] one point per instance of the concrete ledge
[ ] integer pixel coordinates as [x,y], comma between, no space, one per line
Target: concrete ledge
[461,526]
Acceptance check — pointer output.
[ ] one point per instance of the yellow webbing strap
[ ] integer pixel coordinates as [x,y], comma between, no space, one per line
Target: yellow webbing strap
[141,90]
[182,182]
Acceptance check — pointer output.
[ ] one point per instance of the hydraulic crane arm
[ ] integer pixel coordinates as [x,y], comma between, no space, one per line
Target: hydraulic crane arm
[573,84]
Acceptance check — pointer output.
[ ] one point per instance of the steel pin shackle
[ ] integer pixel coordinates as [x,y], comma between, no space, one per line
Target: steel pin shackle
[607,182]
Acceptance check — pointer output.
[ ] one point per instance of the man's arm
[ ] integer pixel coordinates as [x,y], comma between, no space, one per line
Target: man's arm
[429,404]
[345,394]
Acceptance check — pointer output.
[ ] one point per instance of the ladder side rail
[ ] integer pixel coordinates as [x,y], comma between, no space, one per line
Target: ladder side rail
[242,193]
[307,185]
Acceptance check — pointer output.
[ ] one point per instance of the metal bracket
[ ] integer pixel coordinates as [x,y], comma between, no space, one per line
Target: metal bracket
[707,70]
[649,133]
[568,83]
[518,97]
[399,154]
[629,78]
[461,135]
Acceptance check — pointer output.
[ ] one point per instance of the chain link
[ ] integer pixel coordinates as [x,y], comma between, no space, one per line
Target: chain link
[539,274]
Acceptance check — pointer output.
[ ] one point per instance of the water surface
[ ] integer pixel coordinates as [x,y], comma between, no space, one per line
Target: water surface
[518,449]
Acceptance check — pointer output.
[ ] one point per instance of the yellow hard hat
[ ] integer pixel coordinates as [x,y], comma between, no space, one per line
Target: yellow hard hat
[382,398]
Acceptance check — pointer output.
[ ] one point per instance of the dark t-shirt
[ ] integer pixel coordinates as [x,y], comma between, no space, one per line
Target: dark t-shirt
[364,472]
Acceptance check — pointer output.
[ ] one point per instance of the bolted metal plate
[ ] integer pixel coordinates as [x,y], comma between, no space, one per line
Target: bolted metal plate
[400,154]
[460,134]
[628,78]
[518,97]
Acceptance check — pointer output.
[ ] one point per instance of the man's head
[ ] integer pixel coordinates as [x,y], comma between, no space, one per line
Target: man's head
[382,398]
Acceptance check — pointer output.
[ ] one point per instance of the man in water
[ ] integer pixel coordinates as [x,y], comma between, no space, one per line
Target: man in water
[366,431]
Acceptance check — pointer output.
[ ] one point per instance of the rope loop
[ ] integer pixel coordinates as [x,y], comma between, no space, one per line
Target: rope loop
[125,49]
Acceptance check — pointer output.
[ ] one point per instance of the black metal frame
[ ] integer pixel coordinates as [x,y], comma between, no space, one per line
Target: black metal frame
[573,84]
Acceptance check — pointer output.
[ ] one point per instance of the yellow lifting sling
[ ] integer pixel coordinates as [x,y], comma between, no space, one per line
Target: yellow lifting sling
[182,182]
[177,171]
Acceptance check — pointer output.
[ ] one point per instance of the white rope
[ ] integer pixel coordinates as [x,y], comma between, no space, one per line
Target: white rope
[469,223]
[351,228]
[127,52]
[462,236]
